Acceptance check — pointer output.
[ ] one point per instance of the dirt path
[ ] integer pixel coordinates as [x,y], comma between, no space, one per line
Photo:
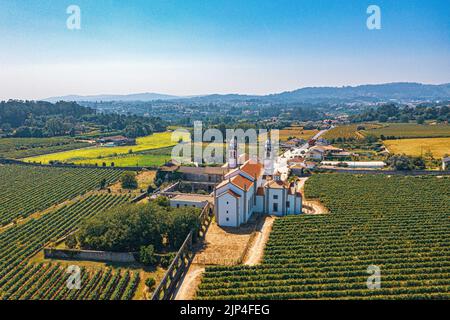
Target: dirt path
[256,250]
[190,283]
[311,206]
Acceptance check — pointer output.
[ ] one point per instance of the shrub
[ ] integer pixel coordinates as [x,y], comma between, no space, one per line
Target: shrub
[150,282]
[128,180]
[147,255]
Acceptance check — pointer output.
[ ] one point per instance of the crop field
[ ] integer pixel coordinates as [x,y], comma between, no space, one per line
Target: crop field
[17,148]
[25,190]
[297,132]
[20,279]
[418,147]
[349,131]
[97,154]
[397,224]
[155,157]
[412,130]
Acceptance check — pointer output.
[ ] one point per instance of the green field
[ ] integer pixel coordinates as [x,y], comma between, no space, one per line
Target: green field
[17,148]
[412,130]
[99,155]
[398,224]
[418,147]
[20,279]
[27,189]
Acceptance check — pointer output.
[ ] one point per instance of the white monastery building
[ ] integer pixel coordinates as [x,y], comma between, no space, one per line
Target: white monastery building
[254,187]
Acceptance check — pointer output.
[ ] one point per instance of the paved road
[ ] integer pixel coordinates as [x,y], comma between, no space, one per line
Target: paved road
[281,163]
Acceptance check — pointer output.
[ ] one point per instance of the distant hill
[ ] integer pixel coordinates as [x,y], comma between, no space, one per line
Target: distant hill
[390,91]
[128,97]
[399,91]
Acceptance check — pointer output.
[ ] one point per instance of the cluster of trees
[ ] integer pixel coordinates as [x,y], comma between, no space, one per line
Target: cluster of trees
[145,228]
[44,119]
[404,162]
[394,113]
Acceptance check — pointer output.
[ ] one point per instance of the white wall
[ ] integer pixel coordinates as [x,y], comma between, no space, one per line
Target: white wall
[226,208]
[259,208]
[181,203]
[270,193]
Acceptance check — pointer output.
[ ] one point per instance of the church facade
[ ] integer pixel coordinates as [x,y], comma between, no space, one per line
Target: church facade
[253,188]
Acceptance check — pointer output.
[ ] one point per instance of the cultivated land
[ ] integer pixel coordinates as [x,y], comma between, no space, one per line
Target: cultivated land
[412,130]
[22,279]
[349,131]
[418,147]
[28,147]
[399,224]
[25,190]
[297,132]
[106,154]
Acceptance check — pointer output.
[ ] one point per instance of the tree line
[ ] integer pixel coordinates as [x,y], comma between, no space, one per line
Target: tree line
[39,119]
[398,113]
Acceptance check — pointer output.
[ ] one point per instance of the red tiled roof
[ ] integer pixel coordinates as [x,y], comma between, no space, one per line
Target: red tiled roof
[231,192]
[252,169]
[241,182]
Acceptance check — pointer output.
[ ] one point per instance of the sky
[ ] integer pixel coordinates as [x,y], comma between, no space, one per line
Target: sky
[193,47]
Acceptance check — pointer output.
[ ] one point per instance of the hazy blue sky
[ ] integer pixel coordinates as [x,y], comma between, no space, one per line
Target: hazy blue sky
[188,47]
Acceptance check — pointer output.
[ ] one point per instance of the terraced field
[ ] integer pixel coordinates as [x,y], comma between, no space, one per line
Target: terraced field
[26,189]
[399,224]
[20,279]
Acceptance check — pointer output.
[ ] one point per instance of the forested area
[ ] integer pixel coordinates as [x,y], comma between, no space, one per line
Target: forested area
[38,119]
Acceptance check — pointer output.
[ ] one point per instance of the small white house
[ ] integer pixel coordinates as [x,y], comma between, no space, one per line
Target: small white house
[190,200]
[446,163]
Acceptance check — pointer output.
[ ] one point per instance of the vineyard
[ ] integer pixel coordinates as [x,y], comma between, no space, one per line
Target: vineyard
[26,189]
[349,131]
[411,130]
[28,147]
[399,224]
[20,279]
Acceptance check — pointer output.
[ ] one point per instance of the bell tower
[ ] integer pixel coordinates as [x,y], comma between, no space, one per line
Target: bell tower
[268,157]
[233,150]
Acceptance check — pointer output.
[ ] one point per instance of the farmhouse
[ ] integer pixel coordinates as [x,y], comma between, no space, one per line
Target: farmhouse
[321,152]
[117,141]
[253,188]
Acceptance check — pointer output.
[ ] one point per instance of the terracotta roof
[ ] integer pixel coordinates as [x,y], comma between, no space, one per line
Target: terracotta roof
[231,192]
[273,184]
[239,181]
[252,169]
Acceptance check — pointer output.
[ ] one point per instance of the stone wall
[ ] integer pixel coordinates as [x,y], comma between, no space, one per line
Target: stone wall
[105,256]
